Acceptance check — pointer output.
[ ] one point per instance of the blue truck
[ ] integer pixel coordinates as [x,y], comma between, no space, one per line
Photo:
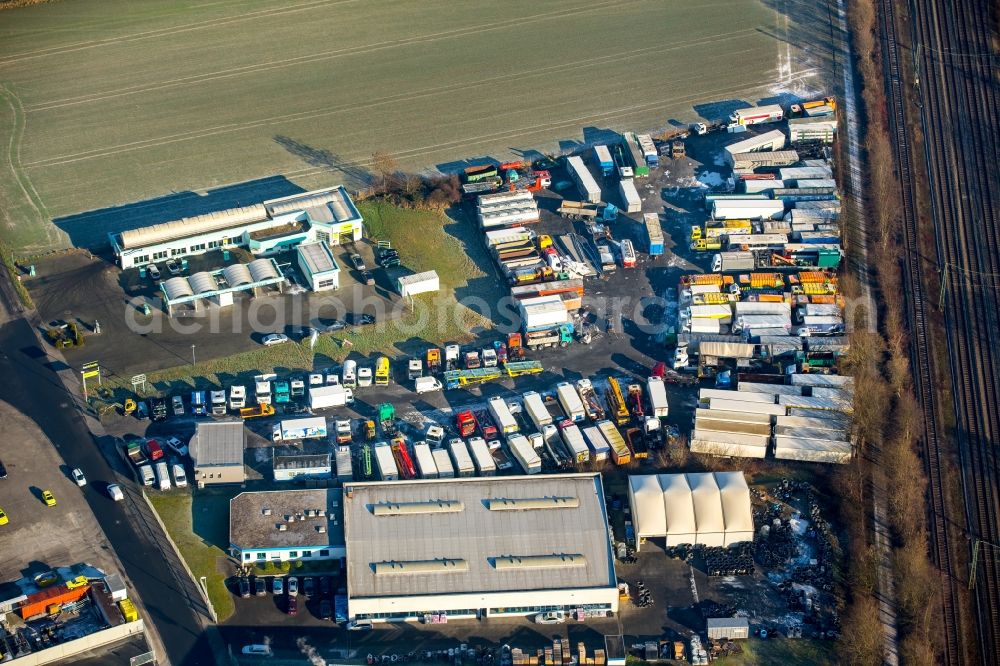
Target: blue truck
[604,160]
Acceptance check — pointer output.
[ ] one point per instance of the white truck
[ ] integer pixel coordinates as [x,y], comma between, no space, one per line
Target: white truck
[426,466]
[291,430]
[657,397]
[180,478]
[162,476]
[536,410]
[504,420]
[442,461]
[631,201]
[427,385]
[756,115]
[364,376]
[218,403]
[482,458]
[324,397]
[725,262]
[262,389]
[584,179]
[570,401]
[573,439]
[460,456]
[385,462]
[237,397]
[146,473]
[349,377]
[525,454]
[599,447]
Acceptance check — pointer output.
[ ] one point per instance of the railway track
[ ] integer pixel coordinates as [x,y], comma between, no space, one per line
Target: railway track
[958,91]
[917,307]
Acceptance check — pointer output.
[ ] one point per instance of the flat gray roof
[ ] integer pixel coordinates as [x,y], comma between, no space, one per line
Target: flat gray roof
[446,536]
[218,443]
[301,460]
[301,512]
[318,258]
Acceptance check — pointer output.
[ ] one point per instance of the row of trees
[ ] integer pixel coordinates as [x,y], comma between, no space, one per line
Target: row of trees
[411,190]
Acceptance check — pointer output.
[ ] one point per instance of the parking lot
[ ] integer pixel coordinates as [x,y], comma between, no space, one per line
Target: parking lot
[39,537]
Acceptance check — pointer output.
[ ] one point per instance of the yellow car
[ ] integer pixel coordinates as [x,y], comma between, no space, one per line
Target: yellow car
[3,517]
[48,498]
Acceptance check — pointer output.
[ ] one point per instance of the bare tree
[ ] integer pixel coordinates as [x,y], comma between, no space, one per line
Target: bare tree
[385,167]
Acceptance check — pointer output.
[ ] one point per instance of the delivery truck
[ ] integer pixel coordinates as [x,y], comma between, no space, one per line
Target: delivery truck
[464,466]
[162,476]
[442,462]
[600,450]
[481,457]
[725,262]
[385,462]
[330,395]
[654,233]
[584,180]
[604,160]
[502,417]
[756,115]
[291,430]
[573,439]
[525,454]
[426,466]
[657,397]
[620,453]
[570,402]
[535,408]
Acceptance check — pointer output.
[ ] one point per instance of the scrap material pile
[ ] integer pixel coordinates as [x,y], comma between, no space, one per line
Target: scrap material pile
[557,655]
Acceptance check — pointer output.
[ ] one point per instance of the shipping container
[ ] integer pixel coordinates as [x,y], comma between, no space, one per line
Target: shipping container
[442,461]
[728,415]
[426,466]
[600,450]
[573,439]
[745,208]
[631,201]
[384,461]
[534,406]
[481,457]
[768,141]
[820,380]
[543,312]
[812,450]
[744,308]
[525,454]
[737,405]
[620,453]
[570,402]
[584,180]
[706,394]
[738,449]
[771,389]
[761,186]
[499,237]
[802,402]
[461,457]
[733,426]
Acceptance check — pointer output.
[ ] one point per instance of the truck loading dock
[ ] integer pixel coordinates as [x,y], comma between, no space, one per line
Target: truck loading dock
[514,546]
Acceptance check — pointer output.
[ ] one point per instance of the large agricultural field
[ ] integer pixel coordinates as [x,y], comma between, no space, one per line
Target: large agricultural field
[108,103]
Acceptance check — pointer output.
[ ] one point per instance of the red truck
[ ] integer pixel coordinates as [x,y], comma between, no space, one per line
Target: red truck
[465,423]
[153,450]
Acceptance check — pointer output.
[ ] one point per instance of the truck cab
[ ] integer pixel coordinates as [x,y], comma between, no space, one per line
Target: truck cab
[262,391]
[414,369]
[237,397]
[282,393]
[218,402]
[177,405]
[343,427]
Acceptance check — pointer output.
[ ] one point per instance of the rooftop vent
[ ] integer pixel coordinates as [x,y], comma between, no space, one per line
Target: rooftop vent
[266,511]
[282,527]
[556,561]
[321,529]
[420,566]
[530,503]
[409,508]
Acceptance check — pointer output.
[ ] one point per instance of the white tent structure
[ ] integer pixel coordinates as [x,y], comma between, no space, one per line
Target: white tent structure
[710,508]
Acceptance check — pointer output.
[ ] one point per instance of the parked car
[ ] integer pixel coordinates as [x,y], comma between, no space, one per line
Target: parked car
[293,605]
[244,586]
[258,650]
[357,262]
[78,477]
[308,586]
[368,278]
[324,585]
[325,610]
[278,585]
[153,271]
[173,267]
[141,410]
[363,319]
[293,586]
[551,617]
[360,625]
[177,404]
[336,325]
[115,492]
[260,586]
[274,339]
[177,446]
[48,498]
[180,478]
[388,258]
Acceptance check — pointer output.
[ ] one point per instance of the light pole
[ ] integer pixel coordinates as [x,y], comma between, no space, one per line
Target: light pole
[193,360]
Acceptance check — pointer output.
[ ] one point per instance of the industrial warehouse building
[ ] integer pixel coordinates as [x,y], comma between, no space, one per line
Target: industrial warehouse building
[217,452]
[286,526]
[431,550]
[318,266]
[708,508]
[328,216]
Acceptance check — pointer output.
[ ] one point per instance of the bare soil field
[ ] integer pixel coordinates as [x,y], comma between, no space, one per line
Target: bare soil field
[113,108]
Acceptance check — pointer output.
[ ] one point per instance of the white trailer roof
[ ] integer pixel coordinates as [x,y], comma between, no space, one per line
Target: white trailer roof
[707,508]
[707,394]
[773,140]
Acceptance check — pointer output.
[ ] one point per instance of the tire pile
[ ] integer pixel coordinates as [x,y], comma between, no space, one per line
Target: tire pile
[736,560]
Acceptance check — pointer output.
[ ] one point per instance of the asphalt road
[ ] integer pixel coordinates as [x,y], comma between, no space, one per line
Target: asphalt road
[31,386]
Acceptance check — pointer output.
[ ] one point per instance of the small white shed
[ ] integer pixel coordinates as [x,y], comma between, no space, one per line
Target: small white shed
[418,283]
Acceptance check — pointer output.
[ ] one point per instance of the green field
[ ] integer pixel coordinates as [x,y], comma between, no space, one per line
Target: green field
[110,102]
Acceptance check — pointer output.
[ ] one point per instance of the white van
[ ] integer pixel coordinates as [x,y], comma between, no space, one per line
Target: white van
[180,478]
[148,478]
[349,377]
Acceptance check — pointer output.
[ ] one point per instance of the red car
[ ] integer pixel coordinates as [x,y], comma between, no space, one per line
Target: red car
[153,450]
[293,605]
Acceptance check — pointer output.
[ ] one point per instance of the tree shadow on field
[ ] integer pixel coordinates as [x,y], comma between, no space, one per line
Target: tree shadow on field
[326,159]
[90,229]
[814,30]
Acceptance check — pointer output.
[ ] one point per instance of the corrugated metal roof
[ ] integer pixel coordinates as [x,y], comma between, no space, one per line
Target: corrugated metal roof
[477,535]
[237,275]
[262,269]
[318,257]
[177,287]
[202,283]
[192,226]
